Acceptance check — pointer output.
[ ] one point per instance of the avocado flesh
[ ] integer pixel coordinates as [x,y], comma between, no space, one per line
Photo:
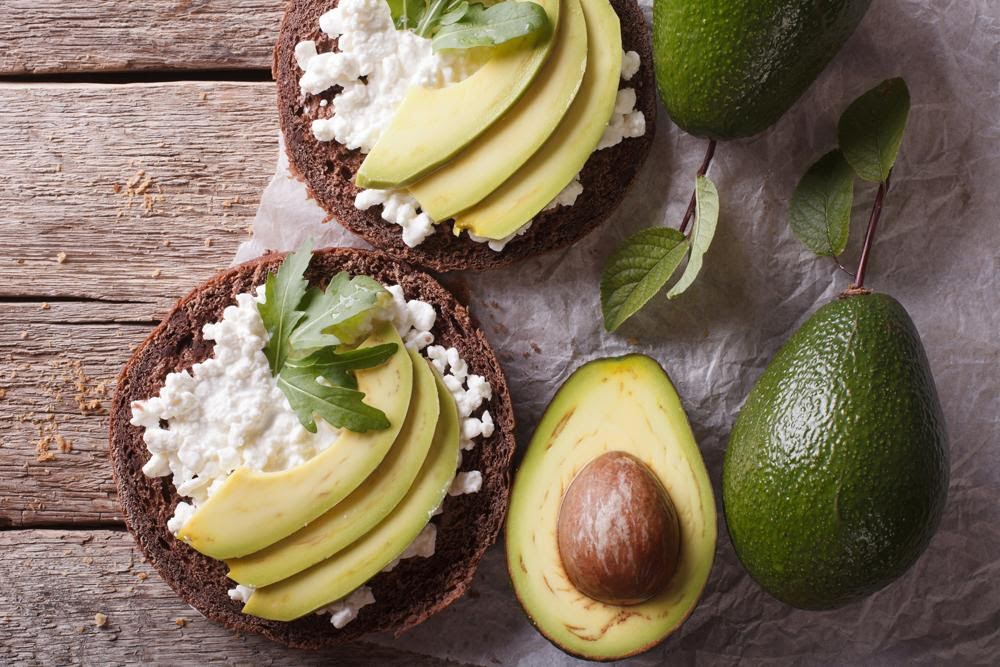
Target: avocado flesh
[356,514]
[620,404]
[837,468]
[432,125]
[336,577]
[489,160]
[731,68]
[253,510]
[529,190]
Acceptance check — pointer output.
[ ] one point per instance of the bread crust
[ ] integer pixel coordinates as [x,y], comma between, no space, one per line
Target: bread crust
[328,168]
[417,587]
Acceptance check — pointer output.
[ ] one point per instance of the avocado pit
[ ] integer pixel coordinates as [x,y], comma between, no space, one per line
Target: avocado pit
[618,532]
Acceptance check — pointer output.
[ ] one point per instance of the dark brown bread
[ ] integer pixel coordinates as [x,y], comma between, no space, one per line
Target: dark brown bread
[407,595]
[328,168]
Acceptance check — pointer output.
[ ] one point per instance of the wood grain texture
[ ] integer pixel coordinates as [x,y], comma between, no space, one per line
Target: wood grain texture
[70,154]
[53,582]
[54,36]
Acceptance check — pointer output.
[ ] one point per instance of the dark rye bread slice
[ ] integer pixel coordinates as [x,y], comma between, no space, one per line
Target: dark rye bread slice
[417,587]
[328,168]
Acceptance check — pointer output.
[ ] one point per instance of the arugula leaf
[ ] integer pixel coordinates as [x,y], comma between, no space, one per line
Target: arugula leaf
[487,26]
[336,366]
[344,300]
[640,267]
[406,13]
[283,292]
[820,213]
[454,12]
[429,21]
[871,129]
[340,406]
[706,218]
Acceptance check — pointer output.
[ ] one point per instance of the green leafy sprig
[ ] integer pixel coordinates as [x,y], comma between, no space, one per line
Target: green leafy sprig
[458,24]
[644,263]
[307,328]
[870,133]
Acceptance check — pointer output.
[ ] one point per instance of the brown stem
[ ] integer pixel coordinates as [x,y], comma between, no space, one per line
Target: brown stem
[870,233]
[842,267]
[702,170]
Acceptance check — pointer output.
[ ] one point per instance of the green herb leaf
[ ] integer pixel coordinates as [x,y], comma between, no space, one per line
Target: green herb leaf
[820,214]
[346,301]
[432,15]
[336,366]
[871,129]
[454,13]
[706,218]
[280,311]
[406,13]
[640,267]
[487,26]
[339,406]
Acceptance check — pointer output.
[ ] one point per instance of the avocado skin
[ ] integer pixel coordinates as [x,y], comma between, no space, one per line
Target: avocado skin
[836,473]
[731,68]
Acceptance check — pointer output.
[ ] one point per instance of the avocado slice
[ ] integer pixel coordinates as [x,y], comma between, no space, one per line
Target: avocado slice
[529,190]
[253,509]
[731,68]
[836,473]
[432,125]
[623,404]
[356,514]
[335,577]
[489,160]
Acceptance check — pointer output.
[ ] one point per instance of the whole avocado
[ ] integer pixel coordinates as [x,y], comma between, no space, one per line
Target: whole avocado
[836,473]
[731,68]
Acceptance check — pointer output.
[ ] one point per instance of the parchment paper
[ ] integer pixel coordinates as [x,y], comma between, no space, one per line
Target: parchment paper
[938,252]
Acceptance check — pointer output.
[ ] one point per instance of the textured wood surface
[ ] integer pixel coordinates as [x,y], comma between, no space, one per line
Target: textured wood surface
[166,176]
[56,37]
[53,583]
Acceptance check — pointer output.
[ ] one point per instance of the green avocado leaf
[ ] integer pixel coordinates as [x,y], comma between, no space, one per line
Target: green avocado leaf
[706,218]
[820,213]
[871,129]
[638,269]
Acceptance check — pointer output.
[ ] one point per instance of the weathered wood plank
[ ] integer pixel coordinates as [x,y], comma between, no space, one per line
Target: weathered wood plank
[70,183]
[131,182]
[54,36]
[52,583]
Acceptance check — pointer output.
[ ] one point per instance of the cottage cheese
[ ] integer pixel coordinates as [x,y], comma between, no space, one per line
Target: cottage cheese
[228,412]
[375,64]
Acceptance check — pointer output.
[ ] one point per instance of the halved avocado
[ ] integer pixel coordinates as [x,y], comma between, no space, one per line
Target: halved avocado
[521,197]
[489,160]
[253,509]
[336,577]
[432,125]
[624,404]
[356,514]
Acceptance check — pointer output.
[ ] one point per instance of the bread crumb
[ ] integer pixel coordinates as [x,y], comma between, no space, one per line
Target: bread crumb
[155,273]
[65,446]
[204,96]
[3,393]
[61,257]
[208,243]
[58,168]
[142,576]
[42,449]
[166,243]
[45,305]
[88,561]
[180,622]
[100,620]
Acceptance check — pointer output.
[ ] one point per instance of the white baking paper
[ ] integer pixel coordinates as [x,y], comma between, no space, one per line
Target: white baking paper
[938,252]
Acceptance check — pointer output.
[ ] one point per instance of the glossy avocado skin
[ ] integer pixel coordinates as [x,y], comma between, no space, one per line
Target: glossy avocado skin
[837,468]
[731,68]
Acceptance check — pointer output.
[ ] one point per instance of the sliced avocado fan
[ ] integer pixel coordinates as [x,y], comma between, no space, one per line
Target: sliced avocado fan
[253,509]
[356,514]
[334,578]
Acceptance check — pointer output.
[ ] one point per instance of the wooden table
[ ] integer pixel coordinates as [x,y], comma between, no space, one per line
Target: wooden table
[136,139]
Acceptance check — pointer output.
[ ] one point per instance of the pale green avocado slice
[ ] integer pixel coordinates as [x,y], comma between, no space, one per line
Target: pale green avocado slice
[490,160]
[356,514]
[432,125]
[253,509]
[625,404]
[336,577]
[530,189]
